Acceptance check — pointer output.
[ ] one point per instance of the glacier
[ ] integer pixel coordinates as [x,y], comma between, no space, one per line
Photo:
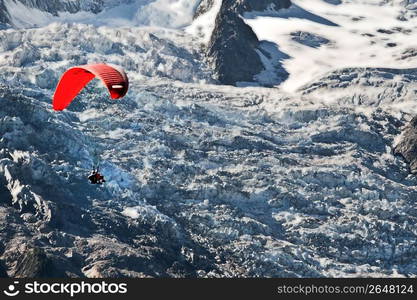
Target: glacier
[203,179]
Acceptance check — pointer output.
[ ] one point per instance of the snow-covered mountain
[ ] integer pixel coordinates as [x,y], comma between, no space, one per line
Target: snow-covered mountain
[306,177]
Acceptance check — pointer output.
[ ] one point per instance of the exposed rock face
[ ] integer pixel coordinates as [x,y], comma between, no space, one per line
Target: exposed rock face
[407,147]
[309,39]
[202,180]
[53,7]
[233,45]
[47,224]
[203,7]
[334,2]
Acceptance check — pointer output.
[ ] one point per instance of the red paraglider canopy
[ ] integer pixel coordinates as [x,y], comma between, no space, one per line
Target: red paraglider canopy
[75,79]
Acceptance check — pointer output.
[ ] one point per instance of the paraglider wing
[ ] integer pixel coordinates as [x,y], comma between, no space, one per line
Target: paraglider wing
[75,79]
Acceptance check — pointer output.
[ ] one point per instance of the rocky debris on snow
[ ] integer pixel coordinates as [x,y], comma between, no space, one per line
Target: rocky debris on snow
[203,7]
[202,180]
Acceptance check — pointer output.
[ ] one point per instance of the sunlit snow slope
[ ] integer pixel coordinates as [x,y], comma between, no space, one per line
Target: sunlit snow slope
[205,180]
[322,36]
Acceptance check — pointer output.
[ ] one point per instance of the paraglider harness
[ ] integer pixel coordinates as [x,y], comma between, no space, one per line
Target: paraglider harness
[95,177]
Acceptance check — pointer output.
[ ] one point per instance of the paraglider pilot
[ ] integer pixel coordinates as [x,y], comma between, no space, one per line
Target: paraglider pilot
[95,177]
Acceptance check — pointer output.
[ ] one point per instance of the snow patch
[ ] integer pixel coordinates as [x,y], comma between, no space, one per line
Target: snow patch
[203,25]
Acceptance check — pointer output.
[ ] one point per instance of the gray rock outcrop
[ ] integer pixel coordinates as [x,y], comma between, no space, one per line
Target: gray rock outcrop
[203,7]
[233,45]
